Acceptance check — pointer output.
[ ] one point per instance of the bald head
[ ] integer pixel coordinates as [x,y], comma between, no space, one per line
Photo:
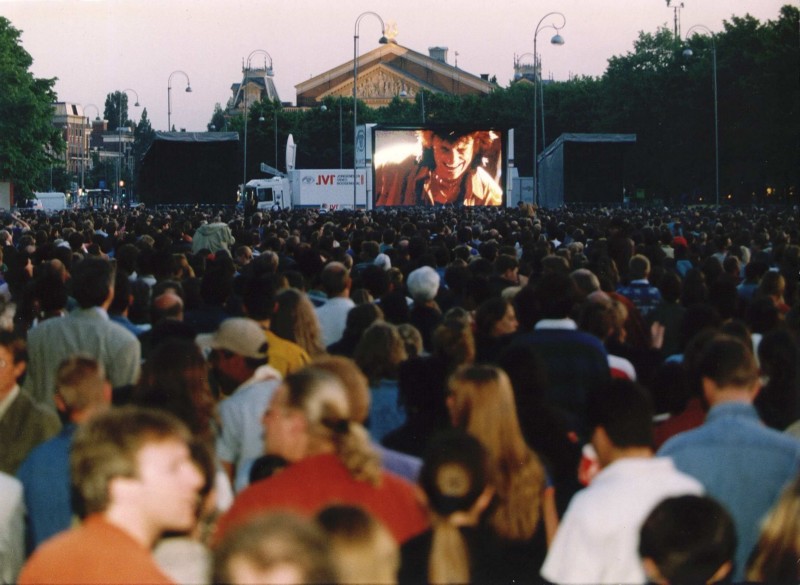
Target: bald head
[335,279]
[167,306]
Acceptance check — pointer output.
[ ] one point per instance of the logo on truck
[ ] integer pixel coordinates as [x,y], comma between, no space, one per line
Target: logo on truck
[325,179]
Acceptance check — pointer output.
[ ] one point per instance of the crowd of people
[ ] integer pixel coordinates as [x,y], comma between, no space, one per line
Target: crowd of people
[408,394]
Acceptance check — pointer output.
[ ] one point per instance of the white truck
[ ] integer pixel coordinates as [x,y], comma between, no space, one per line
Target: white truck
[51,201]
[329,189]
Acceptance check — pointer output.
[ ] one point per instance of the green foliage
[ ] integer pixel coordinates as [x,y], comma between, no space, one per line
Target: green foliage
[116,110]
[218,121]
[29,143]
[143,136]
[102,170]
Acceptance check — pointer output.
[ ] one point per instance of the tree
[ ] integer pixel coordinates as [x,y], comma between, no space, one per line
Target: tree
[143,136]
[218,122]
[111,112]
[29,143]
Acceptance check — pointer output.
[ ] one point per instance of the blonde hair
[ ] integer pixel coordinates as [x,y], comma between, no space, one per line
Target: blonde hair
[363,550]
[295,320]
[353,380]
[775,556]
[483,405]
[322,399]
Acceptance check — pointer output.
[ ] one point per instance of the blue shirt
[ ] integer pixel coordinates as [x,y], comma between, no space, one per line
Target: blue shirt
[45,480]
[741,463]
[644,295]
[385,413]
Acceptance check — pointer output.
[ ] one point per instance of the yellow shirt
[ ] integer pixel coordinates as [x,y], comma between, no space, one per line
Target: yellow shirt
[284,355]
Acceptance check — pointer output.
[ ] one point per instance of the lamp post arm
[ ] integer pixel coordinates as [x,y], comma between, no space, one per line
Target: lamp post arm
[355,94]
[537,78]
[169,95]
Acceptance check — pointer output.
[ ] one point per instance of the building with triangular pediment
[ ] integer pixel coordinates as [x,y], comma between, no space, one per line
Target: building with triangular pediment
[390,71]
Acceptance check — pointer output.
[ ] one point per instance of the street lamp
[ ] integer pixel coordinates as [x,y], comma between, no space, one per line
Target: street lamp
[119,135]
[83,139]
[556,40]
[169,96]
[275,122]
[383,40]
[270,73]
[687,52]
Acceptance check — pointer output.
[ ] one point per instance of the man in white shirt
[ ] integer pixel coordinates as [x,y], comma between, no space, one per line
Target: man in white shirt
[238,357]
[336,282]
[597,541]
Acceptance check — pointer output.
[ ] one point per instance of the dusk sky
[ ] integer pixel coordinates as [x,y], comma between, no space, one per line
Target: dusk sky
[95,47]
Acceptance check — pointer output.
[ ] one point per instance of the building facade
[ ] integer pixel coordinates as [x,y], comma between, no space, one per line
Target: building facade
[393,71]
[75,129]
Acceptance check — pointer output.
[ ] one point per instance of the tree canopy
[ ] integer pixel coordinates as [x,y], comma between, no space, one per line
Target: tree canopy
[29,143]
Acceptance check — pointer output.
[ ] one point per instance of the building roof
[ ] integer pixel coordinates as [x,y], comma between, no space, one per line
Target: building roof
[385,72]
[257,77]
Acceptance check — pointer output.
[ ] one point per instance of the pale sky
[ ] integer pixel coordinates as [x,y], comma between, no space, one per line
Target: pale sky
[95,47]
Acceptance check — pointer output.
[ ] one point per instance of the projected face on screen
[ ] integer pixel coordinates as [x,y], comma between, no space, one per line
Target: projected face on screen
[438,167]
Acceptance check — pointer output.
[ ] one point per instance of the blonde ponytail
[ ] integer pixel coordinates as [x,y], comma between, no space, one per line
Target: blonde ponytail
[449,558]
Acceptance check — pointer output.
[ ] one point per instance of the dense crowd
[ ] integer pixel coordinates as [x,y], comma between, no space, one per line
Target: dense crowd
[578,395]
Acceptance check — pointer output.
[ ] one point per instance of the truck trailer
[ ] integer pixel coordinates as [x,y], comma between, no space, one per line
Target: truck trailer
[330,189]
[51,201]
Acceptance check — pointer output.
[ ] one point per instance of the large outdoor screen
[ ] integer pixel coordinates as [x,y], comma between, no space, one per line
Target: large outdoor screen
[438,166]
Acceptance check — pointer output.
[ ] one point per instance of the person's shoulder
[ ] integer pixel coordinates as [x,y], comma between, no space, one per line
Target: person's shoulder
[245,394]
[43,454]
[43,329]
[686,440]
[10,488]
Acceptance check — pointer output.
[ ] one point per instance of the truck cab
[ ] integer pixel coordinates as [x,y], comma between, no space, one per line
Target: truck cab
[267,193]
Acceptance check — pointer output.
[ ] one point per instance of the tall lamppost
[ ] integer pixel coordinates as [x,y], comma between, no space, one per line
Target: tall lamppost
[275,125]
[687,52]
[169,96]
[119,136]
[556,40]
[383,40]
[269,73]
[83,139]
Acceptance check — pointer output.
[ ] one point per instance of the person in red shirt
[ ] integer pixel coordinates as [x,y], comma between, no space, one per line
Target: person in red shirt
[133,471]
[330,461]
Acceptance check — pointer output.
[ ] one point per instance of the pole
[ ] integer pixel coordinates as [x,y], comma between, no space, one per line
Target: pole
[119,147]
[244,151]
[169,106]
[382,41]
[537,78]
[341,163]
[688,53]
[355,111]
[275,114]
[535,124]
[716,117]
[246,69]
